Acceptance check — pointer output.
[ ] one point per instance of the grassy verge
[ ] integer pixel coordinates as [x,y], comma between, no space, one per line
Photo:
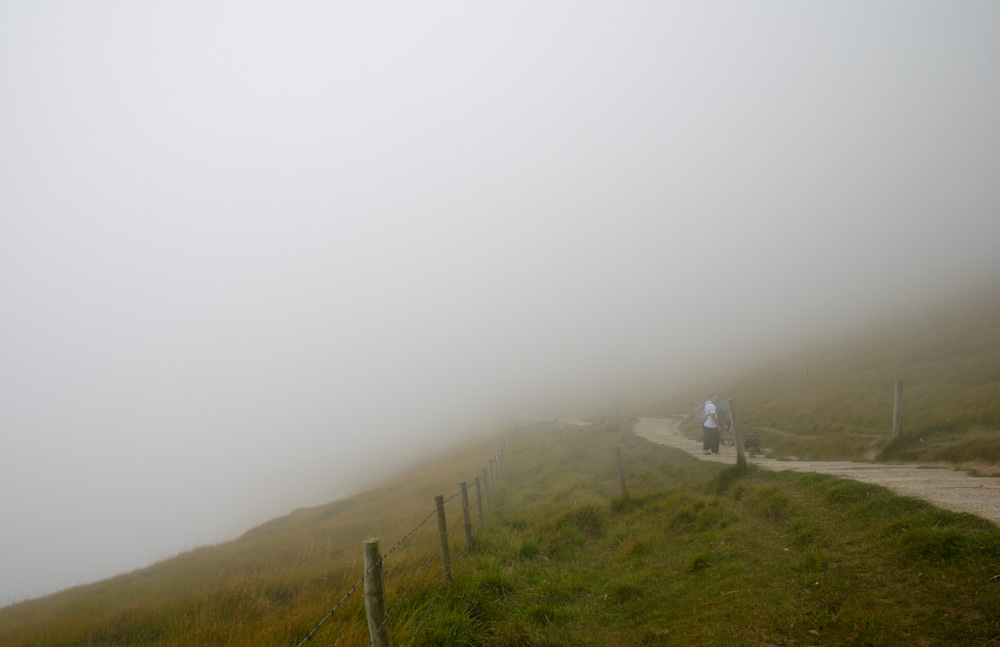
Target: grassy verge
[699,554]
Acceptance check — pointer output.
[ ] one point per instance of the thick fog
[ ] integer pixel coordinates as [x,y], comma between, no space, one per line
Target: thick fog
[247,246]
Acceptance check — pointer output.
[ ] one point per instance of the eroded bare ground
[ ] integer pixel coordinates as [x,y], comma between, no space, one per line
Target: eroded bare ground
[949,489]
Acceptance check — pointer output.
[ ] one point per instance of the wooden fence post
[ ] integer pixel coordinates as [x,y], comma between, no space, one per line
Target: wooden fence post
[378,629]
[741,459]
[443,531]
[493,476]
[621,473]
[470,542]
[897,410]
[486,489]
[479,503]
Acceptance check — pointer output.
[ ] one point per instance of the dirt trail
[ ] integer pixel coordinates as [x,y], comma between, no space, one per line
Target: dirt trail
[944,488]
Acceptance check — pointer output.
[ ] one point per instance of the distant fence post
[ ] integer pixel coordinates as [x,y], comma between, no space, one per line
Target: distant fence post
[493,476]
[479,503]
[375,595]
[897,410]
[466,518]
[486,489]
[621,473]
[443,531]
[741,459]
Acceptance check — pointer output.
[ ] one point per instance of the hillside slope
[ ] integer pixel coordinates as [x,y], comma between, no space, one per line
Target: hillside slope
[695,554]
[833,399]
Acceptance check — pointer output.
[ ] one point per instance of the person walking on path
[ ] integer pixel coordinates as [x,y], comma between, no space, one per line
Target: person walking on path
[710,428]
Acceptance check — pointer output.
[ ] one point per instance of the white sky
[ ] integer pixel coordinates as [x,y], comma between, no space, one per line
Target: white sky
[246,245]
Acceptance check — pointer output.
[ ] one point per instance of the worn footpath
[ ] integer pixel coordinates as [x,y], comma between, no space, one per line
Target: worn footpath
[949,489]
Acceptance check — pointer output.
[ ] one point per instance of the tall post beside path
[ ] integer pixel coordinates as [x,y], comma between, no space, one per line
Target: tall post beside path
[897,410]
[740,458]
[621,472]
[378,630]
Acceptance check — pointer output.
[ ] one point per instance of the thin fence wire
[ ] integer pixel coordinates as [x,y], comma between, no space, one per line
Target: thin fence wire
[399,544]
[336,606]
[395,547]
[416,632]
[405,593]
[408,535]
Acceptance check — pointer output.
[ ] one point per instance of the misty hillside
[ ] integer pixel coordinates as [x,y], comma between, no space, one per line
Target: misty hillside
[693,553]
[834,398]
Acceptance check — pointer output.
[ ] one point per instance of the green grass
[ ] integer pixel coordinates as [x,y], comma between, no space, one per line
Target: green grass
[697,553]
[701,554]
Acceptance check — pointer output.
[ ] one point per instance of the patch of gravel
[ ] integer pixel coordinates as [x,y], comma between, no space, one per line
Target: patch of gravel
[949,489]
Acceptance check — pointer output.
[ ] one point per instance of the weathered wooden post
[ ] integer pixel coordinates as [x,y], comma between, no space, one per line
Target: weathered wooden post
[466,517]
[378,629]
[897,410]
[741,459]
[479,503]
[443,531]
[621,472]
[486,489]
[493,475]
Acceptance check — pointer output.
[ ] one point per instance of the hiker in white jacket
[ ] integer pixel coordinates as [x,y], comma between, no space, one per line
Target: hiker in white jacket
[710,428]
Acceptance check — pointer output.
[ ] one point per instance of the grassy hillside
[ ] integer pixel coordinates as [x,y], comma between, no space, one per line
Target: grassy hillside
[269,587]
[696,554]
[834,399]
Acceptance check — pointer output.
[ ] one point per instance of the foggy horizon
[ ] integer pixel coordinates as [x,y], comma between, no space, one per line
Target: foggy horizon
[242,245]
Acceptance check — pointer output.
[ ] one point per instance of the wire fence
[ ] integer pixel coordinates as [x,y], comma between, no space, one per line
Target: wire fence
[335,607]
[491,477]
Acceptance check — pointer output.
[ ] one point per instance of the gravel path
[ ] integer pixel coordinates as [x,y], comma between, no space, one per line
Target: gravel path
[945,488]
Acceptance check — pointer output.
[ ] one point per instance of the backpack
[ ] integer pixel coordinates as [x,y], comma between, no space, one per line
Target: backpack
[700,416]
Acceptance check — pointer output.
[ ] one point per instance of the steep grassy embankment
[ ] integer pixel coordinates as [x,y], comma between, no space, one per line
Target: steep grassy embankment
[697,554]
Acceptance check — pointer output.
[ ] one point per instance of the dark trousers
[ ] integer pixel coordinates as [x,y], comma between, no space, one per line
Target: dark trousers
[711,439]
